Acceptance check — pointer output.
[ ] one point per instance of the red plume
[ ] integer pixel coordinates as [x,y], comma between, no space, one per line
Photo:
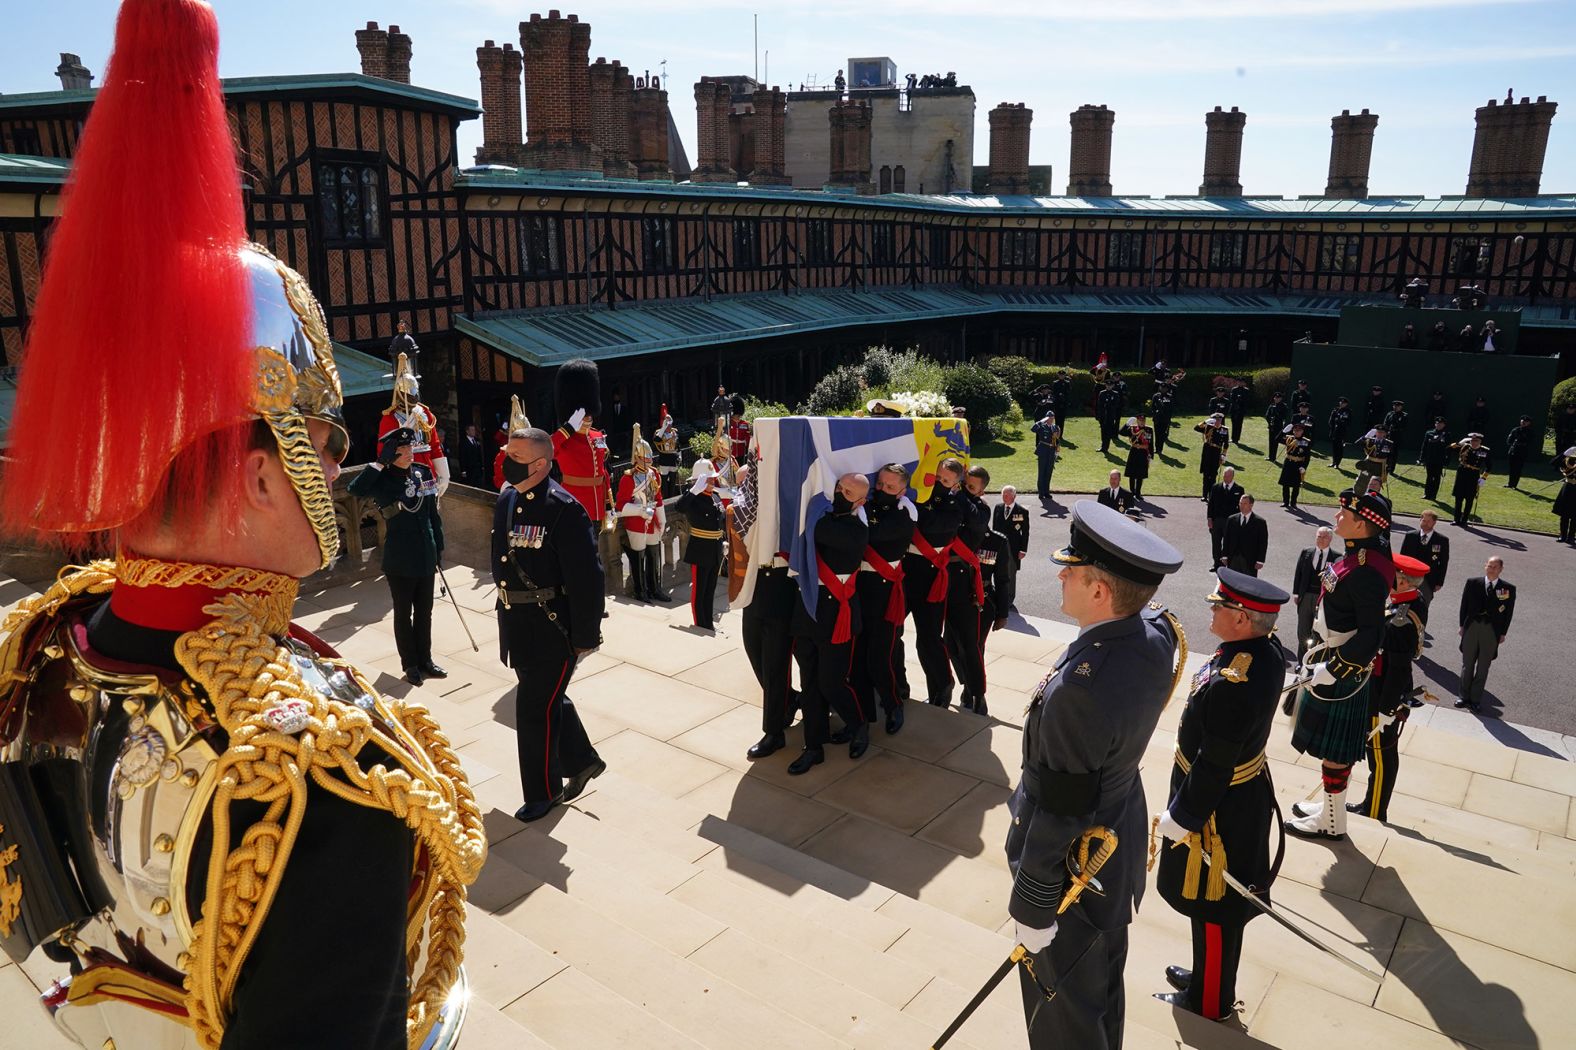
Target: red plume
[138,340]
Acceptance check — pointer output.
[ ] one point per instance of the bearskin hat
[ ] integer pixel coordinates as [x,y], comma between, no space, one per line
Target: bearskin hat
[578,385]
[736,402]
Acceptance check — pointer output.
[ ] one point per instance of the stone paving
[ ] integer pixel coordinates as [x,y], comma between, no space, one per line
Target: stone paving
[692,899]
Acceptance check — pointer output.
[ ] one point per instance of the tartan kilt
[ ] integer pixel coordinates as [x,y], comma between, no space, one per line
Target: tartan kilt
[1334,730]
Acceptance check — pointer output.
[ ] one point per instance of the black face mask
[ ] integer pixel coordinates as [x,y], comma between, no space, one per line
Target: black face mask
[514,471]
[883,500]
[841,504]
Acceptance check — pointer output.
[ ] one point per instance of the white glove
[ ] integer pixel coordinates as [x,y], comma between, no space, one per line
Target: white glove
[440,470]
[577,417]
[1169,828]
[1386,721]
[1322,675]
[908,505]
[1034,940]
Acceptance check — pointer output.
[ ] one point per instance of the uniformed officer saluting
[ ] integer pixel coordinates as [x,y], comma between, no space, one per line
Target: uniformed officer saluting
[406,493]
[549,577]
[1221,794]
[1088,725]
[703,508]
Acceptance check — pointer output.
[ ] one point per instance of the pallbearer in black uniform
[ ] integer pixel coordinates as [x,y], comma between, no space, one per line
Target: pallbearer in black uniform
[1340,426]
[1222,800]
[1212,453]
[1298,451]
[703,507]
[825,652]
[1434,455]
[878,649]
[999,569]
[1331,718]
[768,639]
[966,625]
[1387,700]
[925,578]
[1472,461]
[406,494]
[1088,725]
[549,577]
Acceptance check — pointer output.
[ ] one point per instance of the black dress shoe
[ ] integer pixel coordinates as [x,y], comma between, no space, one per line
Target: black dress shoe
[860,743]
[1179,1000]
[577,783]
[432,670]
[808,759]
[840,736]
[413,676]
[1459,703]
[894,719]
[769,744]
[1179,977]
[532,811]
[981,709]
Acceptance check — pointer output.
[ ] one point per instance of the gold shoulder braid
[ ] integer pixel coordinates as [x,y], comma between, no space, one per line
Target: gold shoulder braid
[283,734]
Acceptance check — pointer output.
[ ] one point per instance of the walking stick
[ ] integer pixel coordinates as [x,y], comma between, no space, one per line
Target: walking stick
[455,602]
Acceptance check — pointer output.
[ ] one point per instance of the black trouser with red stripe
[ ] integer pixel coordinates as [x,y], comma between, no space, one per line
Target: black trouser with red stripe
[551,741]
[1384,762]
[878,649]
[966,630]
[1217,951]
[705,558]
[825,669]
[769,644]
[929,617]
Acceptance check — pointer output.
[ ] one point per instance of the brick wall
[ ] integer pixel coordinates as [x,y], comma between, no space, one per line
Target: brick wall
[555,50]
[849,125]
[713,107]
[771,106]
[399,49]
[1009,148]
[1351,149]
[1089,158]
[501,129]
[1509,147]
[1223,153]
[373,43]
[649,129]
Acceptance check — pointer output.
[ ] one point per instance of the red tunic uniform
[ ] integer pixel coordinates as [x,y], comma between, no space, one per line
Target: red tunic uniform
[582,459]
[639,523]
[739,433]
[426,451]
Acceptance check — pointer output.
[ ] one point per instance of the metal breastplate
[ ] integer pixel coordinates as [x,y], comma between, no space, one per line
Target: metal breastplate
[142,750]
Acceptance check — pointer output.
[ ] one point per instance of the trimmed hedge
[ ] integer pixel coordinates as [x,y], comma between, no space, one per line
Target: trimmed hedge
[1193,393]
[982,396]
[1564,394]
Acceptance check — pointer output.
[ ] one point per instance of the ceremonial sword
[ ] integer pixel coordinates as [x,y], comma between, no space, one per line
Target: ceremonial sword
[446,590]
[1020,957]
[1268,909]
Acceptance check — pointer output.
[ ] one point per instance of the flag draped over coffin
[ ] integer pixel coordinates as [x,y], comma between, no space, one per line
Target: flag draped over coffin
[800,459]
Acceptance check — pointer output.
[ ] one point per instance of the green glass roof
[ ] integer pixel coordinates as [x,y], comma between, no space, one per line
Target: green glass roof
[1550,206]
[22,168]
[550,337]
[249,87]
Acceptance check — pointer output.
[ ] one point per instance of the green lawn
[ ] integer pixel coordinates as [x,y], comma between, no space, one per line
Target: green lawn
[1083,469]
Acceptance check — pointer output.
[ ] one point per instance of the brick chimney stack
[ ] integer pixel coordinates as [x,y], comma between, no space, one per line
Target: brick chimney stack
[500,69]
[1509,147]
[74,76]
[649,129]
[850,128]
[398,56]
[373,43]
[610,101]
[556,52]
[1351,149]
[1009,148]
[1223,153]
[713,105]
[1089,162]
[771,108]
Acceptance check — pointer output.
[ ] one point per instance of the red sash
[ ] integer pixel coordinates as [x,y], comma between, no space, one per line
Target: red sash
[892,574]
[843,593]
[938,560]
[972,560]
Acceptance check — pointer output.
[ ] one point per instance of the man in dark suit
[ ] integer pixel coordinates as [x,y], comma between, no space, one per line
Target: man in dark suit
[1305,585]
[1487,605]
[1012,521]
[1087,727]
[1223,498]
[473,459]
[1432,548]
[1115,496]
[1247,539]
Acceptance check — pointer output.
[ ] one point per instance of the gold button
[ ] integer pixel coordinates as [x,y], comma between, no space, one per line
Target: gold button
[189,778]
[164,844]
[160,906]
